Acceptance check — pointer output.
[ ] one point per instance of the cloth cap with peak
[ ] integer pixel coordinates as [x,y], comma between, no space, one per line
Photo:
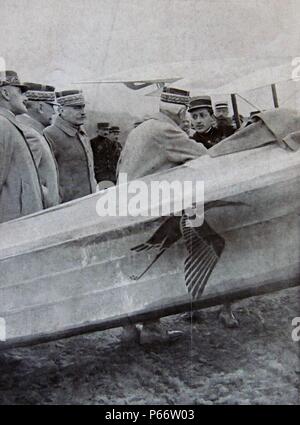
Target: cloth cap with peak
[70,98]
[10,78]
[103,125]
[221,105]
[41,93]
[173,95]
[200,102]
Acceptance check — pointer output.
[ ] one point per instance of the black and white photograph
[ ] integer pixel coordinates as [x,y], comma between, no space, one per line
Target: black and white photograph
[149,204]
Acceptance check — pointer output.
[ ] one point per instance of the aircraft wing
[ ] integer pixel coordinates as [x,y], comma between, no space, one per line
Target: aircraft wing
[135,84]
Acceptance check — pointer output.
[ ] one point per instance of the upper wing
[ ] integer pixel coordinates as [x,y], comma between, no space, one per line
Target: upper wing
[135,84]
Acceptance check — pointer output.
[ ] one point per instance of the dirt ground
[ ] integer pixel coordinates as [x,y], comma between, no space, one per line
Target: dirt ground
[257,363]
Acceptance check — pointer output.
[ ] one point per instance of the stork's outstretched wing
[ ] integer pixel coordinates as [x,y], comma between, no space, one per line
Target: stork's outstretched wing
[168,233]
[204,247]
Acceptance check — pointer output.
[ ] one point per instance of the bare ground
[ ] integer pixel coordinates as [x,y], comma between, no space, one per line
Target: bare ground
[255,364]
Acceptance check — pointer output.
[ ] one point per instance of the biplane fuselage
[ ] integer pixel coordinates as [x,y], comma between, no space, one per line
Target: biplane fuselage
[66,270]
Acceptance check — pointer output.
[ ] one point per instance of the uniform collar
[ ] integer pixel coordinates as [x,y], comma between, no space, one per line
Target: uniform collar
[206,133]
[68,128]
[36,125]
[11,117]
[7,113]
[164,117]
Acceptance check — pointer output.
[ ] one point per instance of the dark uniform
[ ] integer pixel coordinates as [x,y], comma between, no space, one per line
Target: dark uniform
[208,139]
[106,156]
[224,122]
[225,127]
[213,135]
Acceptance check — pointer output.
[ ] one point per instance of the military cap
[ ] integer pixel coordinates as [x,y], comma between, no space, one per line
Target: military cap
[70,98]
[173,95]
[103,125]
[41,93]
[200,102]
[221,105]
[114,129]
[10,78]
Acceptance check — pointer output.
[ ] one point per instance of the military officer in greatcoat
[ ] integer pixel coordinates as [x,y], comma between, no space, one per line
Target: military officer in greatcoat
[20,188]
[156,145]
[71,147]
[40,103]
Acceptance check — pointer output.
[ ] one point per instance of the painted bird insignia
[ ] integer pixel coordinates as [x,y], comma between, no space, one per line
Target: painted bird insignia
[204,247]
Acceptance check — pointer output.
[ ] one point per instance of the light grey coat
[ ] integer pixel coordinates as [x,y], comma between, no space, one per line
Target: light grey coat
[156,145]
[20,189]
[44,159]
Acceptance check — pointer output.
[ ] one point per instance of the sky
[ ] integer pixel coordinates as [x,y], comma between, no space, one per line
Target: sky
[207,42]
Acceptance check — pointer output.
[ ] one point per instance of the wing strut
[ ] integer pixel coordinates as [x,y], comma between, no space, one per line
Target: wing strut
[274,95]
[235,110]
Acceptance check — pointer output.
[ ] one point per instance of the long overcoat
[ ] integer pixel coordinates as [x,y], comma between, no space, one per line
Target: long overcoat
[44,159]
[74,158]
[156,145]
[20,188]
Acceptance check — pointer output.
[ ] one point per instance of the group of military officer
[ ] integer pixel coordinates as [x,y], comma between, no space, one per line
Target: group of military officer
[46,157]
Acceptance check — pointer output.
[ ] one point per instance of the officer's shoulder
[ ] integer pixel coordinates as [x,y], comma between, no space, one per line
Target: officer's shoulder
[6,126]
[160,127]
[50,128]
[4,122]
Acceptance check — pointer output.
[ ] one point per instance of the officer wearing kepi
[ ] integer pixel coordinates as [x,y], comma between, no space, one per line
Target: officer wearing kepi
[114,134]
[224,121]
[97,144]
[106,150]
[71,147]
[40,110]
[203,121]
[20,189]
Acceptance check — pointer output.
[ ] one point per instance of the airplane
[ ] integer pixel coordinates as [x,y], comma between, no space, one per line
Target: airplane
[62,277]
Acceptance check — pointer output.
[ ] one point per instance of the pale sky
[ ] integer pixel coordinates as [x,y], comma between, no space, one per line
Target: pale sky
[64,41]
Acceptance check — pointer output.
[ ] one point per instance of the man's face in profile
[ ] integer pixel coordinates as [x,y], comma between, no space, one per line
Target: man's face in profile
[17,99]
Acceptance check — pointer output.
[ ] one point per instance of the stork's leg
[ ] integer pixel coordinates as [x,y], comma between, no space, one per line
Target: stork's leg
[193,316]
[227,317]
[130,334]
[152,333]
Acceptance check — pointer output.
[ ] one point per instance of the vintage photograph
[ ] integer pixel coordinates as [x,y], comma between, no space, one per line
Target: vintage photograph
[149,202]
